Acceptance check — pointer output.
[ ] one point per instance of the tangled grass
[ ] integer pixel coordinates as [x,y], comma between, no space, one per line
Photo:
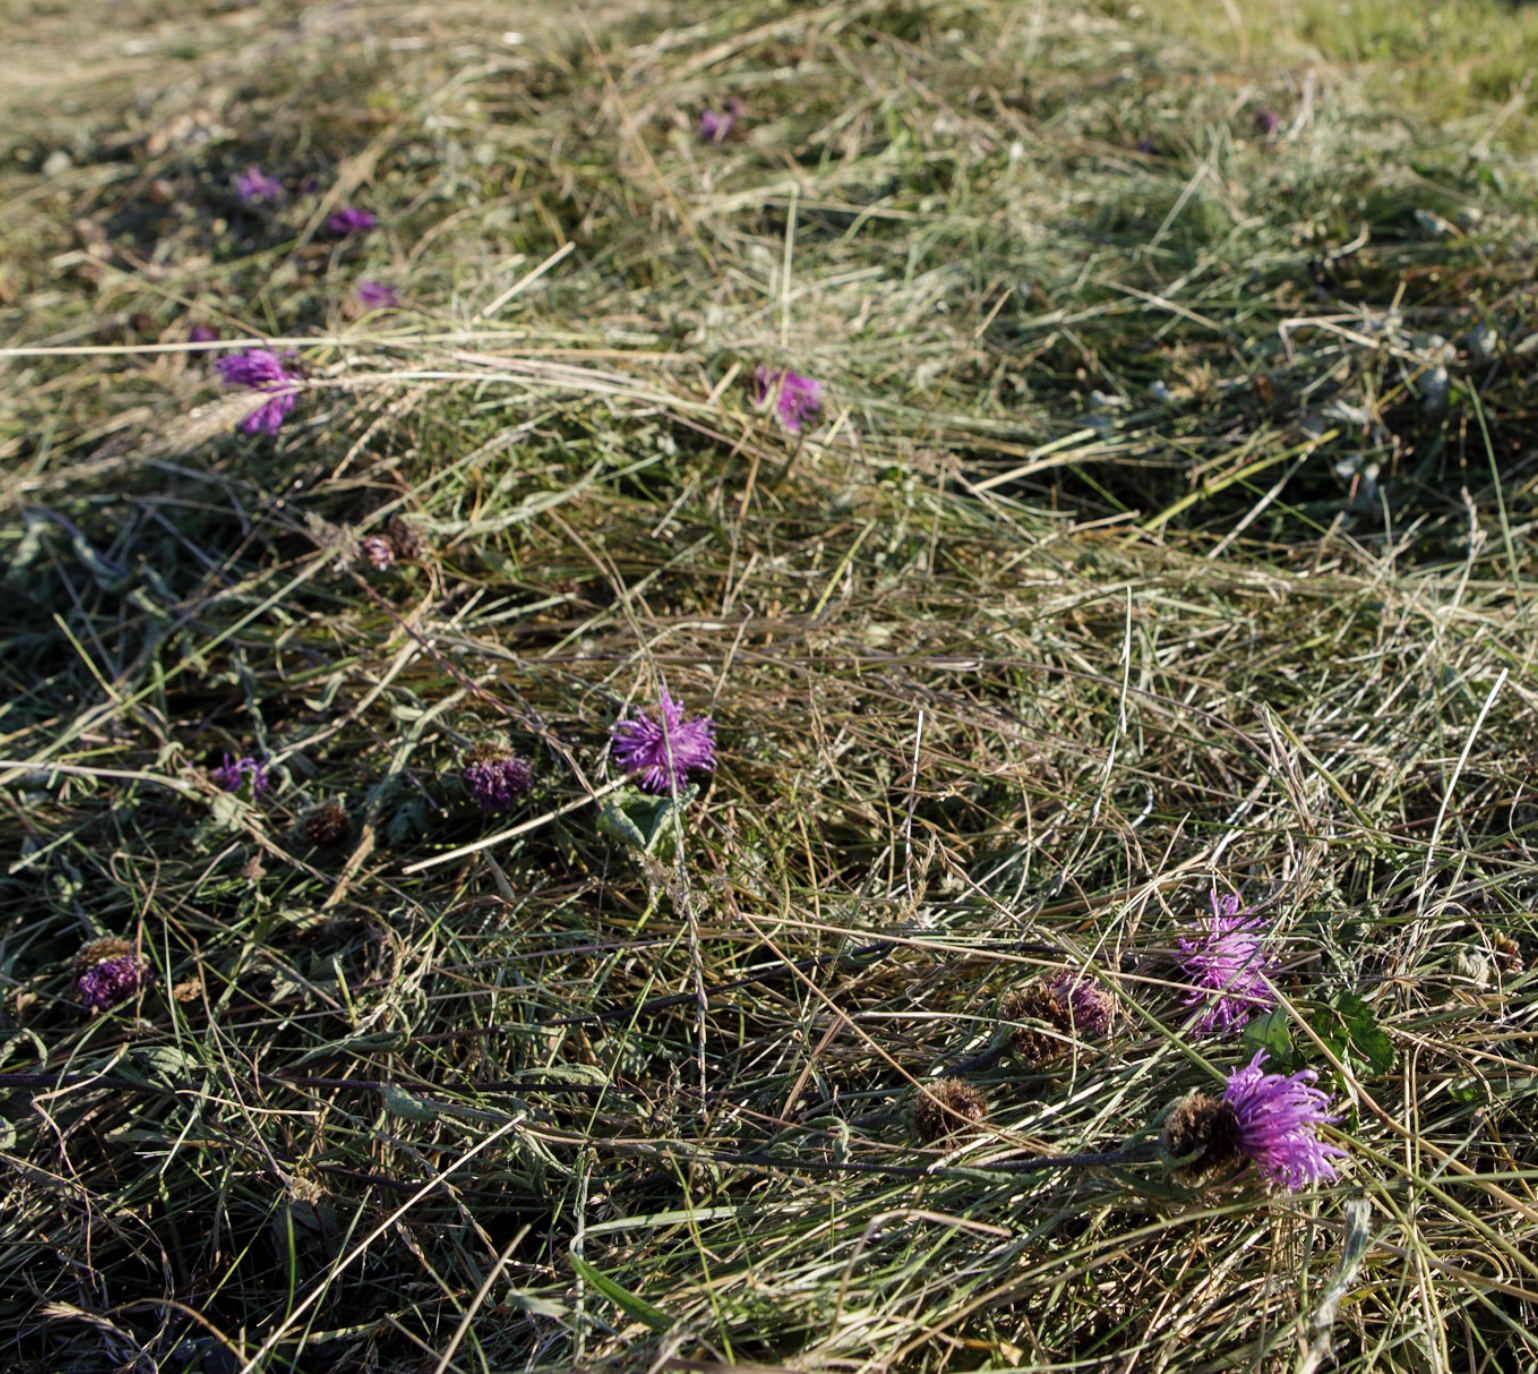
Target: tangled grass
[1167,527]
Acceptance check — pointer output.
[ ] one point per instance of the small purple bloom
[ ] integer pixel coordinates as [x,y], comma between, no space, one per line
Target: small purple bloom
[262,370]
[1088,1004]
[716,125]
[202,333]
[373,296]
[1267,121]
[350,220]
[377,549]
[496,777]
[1276,1118]
[230,774]
[799,398]
[660,753]
[253,185]
[1227,958]
[112,981]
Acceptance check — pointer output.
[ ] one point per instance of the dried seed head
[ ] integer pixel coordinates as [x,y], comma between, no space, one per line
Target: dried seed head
[405,540]
[1508,954]
[326,826]
[99,951]
[946,1108]
[1204,1131]
[1034,1047]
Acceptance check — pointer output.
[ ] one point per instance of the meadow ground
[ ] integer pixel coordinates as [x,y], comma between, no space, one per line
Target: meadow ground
[1168,532]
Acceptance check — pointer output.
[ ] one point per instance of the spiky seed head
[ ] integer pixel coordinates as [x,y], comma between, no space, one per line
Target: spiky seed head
[99,951]
[946,1108]
[1034,1047]
[327,825]
[1203,1131]
[405,540]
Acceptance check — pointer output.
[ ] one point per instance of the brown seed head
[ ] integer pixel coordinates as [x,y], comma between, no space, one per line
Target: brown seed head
[1204,1130]
[326,826]
[1508,954]
[99,951]
[405,540]
[1032,1046]
[945,1108]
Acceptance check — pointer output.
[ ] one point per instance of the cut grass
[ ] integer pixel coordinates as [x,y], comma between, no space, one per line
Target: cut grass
[1131,556]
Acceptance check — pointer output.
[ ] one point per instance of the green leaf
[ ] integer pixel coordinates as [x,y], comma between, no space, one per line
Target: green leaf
[641,1310]
[641,821]
[1270,1033]
[1348,1026]
[398,1102]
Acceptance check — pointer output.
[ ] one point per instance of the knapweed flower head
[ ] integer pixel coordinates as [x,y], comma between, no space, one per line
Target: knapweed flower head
[202,333]
[113,977]
[798,398]
[1089,1007]
[253,184]
[350,220]
[262,370]
[1065,1007]
[1267,121]
[233,771]
[660,753]
[1277,1120]
[717,125]
[496,777]
[378,550]
[1227,966]
[945,1108]
[373,296]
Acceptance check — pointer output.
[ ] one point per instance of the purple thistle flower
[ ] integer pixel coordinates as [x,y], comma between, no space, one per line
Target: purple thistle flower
[1276,1118]
[1089,1006]
[202,333]
[660,753]
[1267,121]
[496,777]
[262,370]
[229,774]
[112,981]
[350,220]
[253,185]
[799,398]
[1227,958]
[373,296]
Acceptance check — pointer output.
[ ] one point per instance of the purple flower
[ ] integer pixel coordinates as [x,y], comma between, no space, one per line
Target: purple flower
[373,296]
[262,370]
[660,753]
[716,125]
[1276,1118]
[253,185]
[1227,959]
[112,981]
[378,550]
[1267,121]
[1090,1008]
[350,220]
[799,398]
[496,777]
[233,771]
[202,333]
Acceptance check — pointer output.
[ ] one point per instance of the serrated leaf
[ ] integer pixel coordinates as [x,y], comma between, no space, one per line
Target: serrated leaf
[641,821]
[622,1298]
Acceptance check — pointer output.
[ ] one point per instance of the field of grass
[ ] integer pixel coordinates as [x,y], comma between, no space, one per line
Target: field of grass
[1168,530]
